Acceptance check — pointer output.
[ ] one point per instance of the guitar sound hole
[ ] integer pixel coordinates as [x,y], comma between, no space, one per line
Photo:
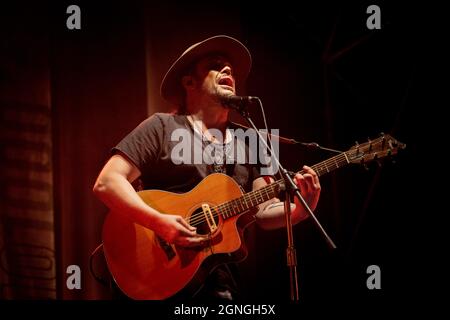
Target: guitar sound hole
[198,220]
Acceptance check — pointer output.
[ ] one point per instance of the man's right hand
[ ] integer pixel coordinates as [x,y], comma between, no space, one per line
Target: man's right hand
[175,230]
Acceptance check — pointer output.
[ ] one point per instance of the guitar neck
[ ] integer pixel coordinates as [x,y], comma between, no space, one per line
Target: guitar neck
[252,199]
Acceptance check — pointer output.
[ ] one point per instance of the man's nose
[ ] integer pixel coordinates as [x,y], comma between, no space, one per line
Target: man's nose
[227,70]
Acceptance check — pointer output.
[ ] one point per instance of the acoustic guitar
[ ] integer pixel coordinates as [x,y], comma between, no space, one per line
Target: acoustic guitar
[145,266]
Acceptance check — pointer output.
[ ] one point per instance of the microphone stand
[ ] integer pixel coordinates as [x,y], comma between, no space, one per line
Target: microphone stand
[290,190]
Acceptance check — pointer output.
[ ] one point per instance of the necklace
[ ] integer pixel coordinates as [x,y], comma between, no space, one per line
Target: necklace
[218,153]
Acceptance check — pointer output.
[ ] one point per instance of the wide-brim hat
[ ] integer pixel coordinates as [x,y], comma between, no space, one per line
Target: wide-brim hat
[238,55]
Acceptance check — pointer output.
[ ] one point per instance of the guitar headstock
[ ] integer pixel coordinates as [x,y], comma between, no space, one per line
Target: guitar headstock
[381,147]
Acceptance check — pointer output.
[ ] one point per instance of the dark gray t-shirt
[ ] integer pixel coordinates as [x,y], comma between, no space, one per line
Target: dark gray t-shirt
[150,146]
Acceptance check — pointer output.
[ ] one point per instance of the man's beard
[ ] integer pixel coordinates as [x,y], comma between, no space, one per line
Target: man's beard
[221,96]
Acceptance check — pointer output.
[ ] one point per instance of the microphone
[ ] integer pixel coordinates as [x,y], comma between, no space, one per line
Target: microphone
[238,103]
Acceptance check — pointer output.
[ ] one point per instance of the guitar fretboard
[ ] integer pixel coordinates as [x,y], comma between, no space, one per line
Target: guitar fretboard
[252,199]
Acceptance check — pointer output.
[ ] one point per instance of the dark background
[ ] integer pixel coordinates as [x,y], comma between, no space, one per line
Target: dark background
[322,76]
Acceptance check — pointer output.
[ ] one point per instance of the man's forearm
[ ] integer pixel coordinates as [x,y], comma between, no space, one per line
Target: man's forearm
[272,216]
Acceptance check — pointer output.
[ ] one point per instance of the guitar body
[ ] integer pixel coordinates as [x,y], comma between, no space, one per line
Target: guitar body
[146,267]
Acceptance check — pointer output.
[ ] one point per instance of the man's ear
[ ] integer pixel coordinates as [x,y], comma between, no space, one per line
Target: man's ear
[188,82]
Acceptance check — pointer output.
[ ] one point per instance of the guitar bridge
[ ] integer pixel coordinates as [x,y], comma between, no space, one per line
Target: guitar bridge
[209,217]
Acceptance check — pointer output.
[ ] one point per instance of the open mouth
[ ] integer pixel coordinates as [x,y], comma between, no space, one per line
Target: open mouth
[226,81]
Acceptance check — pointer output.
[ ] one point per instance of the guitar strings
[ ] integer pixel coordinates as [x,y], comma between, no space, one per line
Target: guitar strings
[228,208]
[199,218]
[320,168]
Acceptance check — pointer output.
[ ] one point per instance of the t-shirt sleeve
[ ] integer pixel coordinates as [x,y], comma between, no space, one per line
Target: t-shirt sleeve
[143,145]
